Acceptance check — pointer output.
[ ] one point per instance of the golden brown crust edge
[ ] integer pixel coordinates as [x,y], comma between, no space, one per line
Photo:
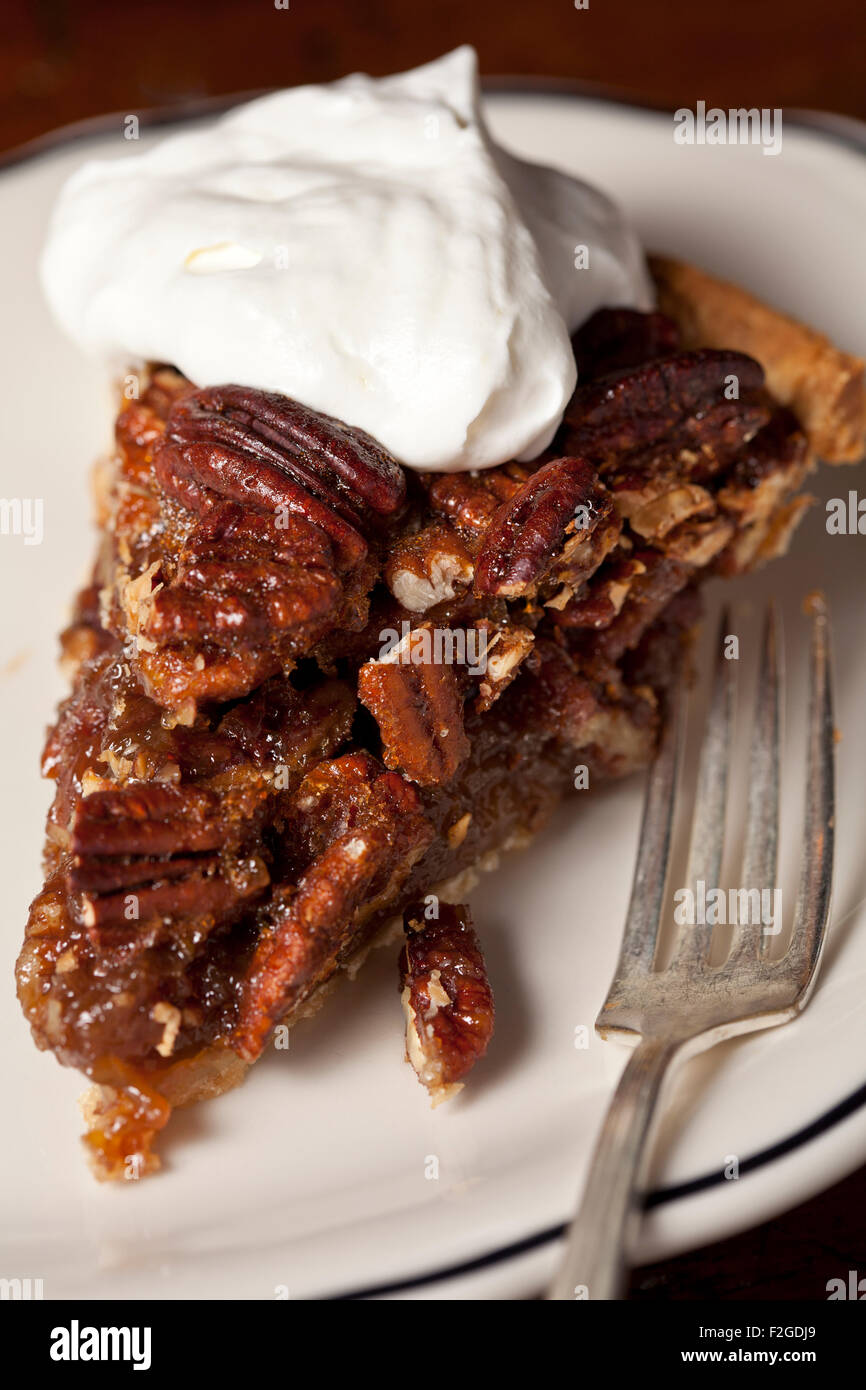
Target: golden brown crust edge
[823,385]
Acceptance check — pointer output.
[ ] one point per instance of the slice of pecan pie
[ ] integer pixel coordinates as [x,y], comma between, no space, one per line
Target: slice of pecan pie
[310,689]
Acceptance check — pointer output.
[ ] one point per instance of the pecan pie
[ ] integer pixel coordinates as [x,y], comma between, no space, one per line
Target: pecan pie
[312,690]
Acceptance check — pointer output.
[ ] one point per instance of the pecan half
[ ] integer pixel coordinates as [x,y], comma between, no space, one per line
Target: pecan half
[681,399]
[274,454]
[563,500]
[147,820]
[221,596]
[446,997]
[378,832]
[416,701]
[148,854]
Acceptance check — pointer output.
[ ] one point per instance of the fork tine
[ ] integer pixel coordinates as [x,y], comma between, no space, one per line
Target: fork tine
[813,896]
[707,842]
[760,852]
[648,885]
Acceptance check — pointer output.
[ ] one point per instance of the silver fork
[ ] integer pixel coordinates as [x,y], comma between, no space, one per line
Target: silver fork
[673,1013]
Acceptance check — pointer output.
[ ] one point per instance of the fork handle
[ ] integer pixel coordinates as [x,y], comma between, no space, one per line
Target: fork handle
[602,1231]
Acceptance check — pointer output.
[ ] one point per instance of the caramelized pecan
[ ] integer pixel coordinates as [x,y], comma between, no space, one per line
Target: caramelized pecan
[603,597]
[286,729]
[415,699]
[681,399]
[217,596]
[563,500]
[470,500]
[446,997]
[148,854]
[199,890]
[234,600]
[146,820]
[378,830]
[141,422]
[428,568]
[649,592]
[274,454]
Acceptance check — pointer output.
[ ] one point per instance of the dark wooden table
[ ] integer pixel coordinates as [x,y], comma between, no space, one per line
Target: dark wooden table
[65,60]
[61,60]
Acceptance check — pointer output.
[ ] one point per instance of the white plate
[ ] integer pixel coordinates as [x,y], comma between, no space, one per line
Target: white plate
[313,1177]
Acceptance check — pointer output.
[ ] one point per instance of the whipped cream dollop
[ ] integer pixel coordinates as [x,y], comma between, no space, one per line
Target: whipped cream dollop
[364,247]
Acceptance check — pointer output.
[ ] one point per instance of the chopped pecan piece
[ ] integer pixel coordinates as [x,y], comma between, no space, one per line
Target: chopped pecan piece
[649,592]
[758,494]
[505,650]
[415,699]
[655,519]
[446,997]
[470,500]
[697,543]
[603,597]
[580,557]
[428,568]
[85,637]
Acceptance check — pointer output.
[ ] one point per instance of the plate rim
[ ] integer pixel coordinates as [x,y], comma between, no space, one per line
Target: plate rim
[839,130]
